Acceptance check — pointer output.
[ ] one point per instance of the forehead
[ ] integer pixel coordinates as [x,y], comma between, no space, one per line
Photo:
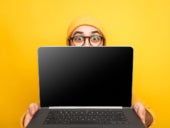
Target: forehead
[85,29]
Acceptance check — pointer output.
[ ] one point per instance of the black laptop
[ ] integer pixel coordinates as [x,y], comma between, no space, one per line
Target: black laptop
[85,87]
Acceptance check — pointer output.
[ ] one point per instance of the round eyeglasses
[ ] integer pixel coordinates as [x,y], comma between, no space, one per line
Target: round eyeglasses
[94,40]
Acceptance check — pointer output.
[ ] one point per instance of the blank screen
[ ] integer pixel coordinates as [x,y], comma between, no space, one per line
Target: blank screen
[85,76]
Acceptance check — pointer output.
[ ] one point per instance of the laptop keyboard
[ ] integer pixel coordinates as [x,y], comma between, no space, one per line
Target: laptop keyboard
[85,117]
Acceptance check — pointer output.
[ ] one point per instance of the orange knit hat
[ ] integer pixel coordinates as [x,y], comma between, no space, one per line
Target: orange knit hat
[84,20]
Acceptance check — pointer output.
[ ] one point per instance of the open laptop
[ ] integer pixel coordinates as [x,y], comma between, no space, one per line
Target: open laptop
[85,87]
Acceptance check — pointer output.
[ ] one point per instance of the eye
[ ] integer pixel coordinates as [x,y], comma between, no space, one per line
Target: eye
[95,39]
[78,39]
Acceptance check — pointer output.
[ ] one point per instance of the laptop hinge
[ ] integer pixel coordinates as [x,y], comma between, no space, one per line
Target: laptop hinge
[89,107]
[128,107]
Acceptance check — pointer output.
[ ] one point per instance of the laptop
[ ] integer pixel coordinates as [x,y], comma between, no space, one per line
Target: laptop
[85,87]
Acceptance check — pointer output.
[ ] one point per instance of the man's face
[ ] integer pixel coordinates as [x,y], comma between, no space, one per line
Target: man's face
[86,36]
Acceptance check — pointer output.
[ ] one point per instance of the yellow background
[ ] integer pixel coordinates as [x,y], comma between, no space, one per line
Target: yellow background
[27,24]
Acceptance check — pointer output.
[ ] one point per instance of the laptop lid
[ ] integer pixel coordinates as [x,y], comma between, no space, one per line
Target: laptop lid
[85,76]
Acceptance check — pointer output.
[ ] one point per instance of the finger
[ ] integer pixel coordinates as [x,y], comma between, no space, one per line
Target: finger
[27,118]
[33,108]
[30,112]
[141,113]
[140,110]
[135,106]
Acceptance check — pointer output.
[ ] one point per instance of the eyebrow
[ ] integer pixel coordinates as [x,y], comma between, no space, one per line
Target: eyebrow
[80,32]
[95,32]
[77,32]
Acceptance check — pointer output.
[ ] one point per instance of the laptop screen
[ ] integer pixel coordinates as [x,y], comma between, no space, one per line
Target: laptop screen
[85,76]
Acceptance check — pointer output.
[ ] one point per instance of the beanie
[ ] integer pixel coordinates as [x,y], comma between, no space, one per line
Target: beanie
[84,20]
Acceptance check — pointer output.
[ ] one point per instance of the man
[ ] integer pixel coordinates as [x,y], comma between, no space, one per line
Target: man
[87,31]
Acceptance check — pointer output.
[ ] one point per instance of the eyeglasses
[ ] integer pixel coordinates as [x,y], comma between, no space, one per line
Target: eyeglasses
[94,40]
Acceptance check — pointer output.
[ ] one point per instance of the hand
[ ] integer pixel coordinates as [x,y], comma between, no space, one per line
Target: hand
[140,110]
[32,109]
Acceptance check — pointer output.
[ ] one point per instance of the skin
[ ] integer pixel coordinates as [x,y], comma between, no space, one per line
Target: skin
[86,31]
[139,108]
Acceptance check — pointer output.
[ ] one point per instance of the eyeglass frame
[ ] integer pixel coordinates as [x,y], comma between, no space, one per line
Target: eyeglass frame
[85,37]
